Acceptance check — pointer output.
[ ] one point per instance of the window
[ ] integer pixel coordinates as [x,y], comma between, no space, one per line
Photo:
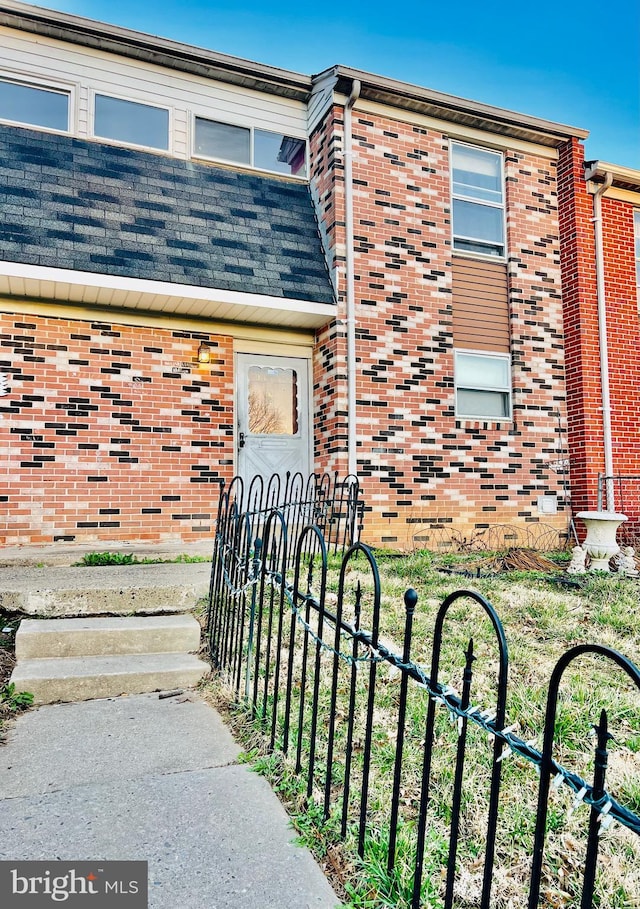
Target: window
[222,140]
[131,122]
[636,221]
[478,200]
[483,385]
[34,106]
[284,154]
[273,401]
[255,147]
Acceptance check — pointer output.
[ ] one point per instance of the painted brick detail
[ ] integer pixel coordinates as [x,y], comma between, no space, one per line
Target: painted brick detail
[102,436]
[419,465]
[111,432]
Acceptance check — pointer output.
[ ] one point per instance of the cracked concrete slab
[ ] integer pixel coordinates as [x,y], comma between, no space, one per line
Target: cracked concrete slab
[103,590]
[150,779]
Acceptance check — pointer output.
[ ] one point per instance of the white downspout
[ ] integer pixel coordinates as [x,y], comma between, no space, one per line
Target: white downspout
[598,193]
[350,280]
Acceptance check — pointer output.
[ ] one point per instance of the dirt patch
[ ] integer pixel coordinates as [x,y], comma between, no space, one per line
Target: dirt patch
[519,560]
[7,662]
[7,647]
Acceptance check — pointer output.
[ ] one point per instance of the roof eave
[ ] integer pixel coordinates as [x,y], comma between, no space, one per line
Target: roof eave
[154,50]
[285,83]
[37,283]
[454,109]
[623,177]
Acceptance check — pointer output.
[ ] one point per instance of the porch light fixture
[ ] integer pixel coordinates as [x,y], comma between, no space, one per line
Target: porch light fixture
[204,353]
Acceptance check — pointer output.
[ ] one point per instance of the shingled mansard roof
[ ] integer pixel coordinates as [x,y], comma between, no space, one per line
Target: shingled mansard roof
[71,204]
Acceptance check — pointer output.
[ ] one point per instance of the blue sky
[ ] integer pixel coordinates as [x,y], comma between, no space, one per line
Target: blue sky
[573,61]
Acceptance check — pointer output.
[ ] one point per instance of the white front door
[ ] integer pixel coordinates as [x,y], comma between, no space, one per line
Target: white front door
[272,413]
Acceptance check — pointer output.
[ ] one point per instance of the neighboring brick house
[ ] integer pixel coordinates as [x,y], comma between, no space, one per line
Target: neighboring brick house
[600,223]
[201,274]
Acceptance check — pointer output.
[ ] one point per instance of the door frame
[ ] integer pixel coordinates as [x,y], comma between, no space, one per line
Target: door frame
[275,351]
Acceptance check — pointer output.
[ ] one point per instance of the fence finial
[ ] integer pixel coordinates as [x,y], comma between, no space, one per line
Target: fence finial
[410,599]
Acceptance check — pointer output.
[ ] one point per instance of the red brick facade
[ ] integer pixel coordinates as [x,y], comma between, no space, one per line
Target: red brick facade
[110,429]
[421,468]
[111,432]
[584,385]
[114,432]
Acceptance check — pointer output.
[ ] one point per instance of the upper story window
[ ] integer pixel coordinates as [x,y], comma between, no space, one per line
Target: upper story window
[258,148]
[131,122]
[32,105]
[483,385]
[478,200]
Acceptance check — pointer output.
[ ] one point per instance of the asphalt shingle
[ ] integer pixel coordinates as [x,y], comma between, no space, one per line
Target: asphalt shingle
[172,220]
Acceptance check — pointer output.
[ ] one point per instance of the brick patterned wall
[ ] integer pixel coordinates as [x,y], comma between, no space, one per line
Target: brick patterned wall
[330,354]
[132,449]
[420,467]
[108,434]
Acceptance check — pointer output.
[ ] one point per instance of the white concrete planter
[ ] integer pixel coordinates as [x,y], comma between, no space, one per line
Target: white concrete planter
[600,542]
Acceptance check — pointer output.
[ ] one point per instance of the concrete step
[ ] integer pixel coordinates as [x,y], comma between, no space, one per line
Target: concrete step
[102,676]
[91,636]
[113,590]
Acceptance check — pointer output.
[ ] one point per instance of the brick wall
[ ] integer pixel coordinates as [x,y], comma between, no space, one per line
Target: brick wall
[421,468]
[329,362]
[584,386]
[111,432]
[623,331]
[131,448]
[584,401]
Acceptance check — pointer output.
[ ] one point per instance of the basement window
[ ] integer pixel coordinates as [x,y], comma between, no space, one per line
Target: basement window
[483,385]
[259,148]
[32,105]
[478,200]
[131,122]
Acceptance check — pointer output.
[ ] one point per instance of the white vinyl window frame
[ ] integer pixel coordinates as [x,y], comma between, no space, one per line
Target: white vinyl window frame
[251,129]
[64,89]
[474,200]
[93,94]
[470,391]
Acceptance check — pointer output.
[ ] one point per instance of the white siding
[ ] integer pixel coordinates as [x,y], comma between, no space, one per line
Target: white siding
[320,102]
[89,71]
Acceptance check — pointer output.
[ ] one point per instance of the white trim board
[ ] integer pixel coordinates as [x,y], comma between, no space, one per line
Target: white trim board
[75,287]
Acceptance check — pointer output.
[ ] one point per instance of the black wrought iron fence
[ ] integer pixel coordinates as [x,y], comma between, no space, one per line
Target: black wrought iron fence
[310,660]
[330,502]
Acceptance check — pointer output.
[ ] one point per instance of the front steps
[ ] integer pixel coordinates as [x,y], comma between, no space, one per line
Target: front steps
[113,590]
[75,659]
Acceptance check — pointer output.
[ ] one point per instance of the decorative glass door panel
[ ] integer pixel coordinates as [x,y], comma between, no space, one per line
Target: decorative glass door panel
[272,401]
[272,416]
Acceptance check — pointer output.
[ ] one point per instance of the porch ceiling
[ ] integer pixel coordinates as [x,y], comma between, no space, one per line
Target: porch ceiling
[38,283]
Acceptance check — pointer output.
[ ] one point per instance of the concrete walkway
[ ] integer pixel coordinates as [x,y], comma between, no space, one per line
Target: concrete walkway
[57,554]
[157,780]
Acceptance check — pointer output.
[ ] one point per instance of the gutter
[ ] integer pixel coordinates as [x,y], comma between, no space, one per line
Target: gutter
[598,190]
[406,96]
[274,80]
[154,50]
[623,177]
[350,280]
